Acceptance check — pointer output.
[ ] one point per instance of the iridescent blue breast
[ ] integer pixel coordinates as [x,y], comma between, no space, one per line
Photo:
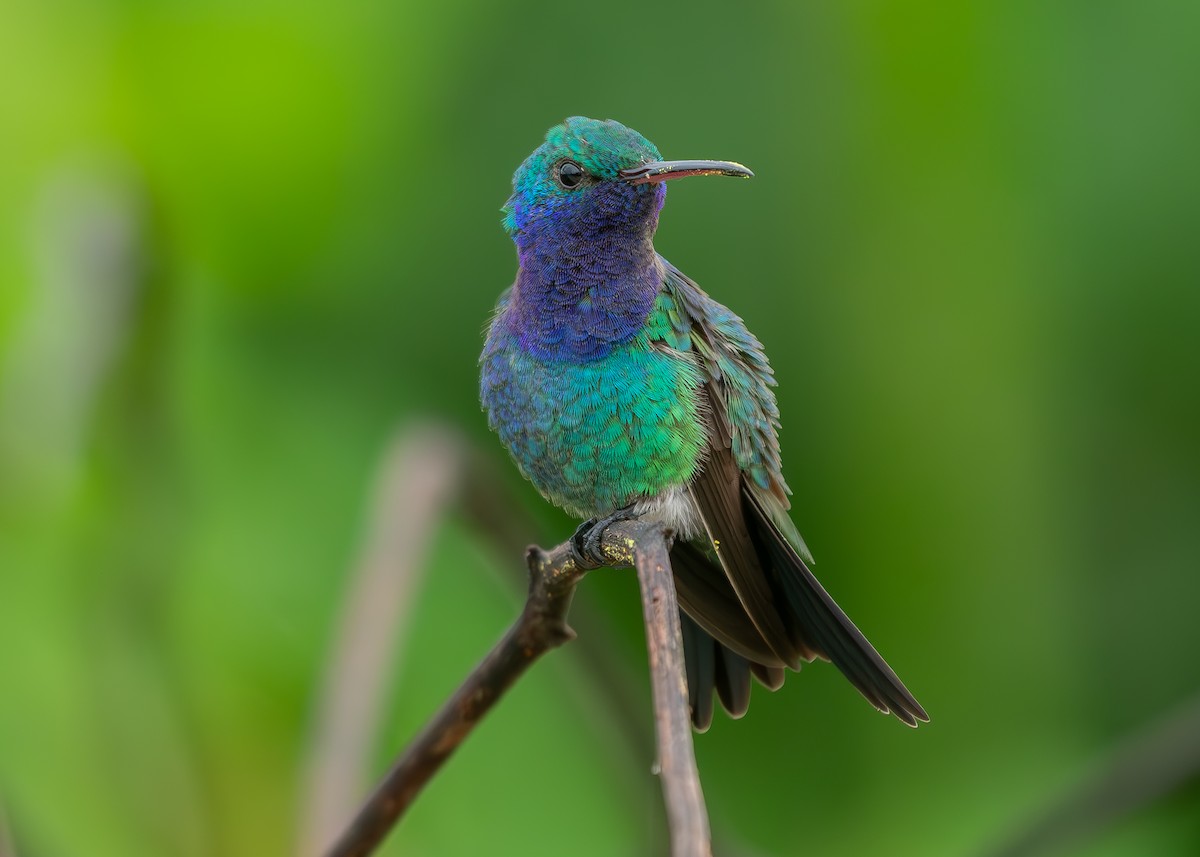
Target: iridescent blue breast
[596,436]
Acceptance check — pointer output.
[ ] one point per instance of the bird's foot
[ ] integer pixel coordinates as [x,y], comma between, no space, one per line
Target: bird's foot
[586,543]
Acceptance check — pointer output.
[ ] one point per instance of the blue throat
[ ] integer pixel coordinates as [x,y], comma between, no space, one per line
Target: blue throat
[588,274]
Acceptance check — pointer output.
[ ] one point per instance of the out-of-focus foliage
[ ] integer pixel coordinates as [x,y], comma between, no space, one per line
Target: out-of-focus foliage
[242,242]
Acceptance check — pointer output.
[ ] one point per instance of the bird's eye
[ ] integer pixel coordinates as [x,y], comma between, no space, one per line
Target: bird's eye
[570,174]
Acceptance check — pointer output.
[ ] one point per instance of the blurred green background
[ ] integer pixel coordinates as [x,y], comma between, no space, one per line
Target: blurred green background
[244,244]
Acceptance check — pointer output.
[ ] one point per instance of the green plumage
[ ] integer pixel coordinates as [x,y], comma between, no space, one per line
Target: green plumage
[594,437]
[620,387]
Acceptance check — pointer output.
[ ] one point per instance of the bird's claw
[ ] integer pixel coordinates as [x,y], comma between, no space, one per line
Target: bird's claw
[587,541]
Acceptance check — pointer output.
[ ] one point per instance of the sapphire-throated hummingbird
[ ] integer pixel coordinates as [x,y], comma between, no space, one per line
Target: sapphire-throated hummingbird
[621,388]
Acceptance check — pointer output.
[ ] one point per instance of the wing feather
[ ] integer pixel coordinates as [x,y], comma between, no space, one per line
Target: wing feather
[755,603]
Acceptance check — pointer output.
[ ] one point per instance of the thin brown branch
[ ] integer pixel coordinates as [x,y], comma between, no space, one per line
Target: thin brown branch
[612,691]
[687,816]
[541,627]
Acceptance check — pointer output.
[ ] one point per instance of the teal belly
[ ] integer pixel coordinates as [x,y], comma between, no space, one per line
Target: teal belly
[595,437]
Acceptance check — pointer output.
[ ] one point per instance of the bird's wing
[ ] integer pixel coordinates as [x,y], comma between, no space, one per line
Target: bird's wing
[743,498]
[743,455]
[744,413]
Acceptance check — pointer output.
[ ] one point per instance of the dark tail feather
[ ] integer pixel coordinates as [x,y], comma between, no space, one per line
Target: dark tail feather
[706,595]
[699,653]
[717,489]
[711,666]
[723,647]
[817,622]
[733,681]
[771,677]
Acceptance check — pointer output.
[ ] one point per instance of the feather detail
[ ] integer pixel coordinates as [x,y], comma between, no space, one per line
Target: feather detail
[748,588]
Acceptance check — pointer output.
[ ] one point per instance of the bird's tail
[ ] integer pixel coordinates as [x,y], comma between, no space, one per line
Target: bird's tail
[823,626]
[724,665]
[791,619]
[714,667]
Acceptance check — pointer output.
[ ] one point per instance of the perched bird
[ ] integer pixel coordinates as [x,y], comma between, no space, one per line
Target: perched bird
[621,389]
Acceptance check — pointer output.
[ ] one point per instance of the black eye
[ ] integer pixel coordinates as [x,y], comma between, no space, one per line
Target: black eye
[570,174]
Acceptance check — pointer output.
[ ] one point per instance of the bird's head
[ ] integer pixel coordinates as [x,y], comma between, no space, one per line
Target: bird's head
[592,177]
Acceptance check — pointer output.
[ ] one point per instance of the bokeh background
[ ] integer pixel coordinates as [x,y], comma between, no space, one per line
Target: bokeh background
[247,248]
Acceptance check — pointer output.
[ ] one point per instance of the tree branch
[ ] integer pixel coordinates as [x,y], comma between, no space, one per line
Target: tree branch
[687,816]
[542,626]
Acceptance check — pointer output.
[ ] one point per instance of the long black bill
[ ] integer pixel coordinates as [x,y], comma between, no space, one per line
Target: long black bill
[661,171]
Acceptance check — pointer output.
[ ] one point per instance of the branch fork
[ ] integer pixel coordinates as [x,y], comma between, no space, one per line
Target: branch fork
[542,626]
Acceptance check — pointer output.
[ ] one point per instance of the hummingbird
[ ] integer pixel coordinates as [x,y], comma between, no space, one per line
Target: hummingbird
[622,390]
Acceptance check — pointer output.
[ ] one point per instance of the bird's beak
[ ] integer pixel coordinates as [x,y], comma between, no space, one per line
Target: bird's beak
[655,172]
